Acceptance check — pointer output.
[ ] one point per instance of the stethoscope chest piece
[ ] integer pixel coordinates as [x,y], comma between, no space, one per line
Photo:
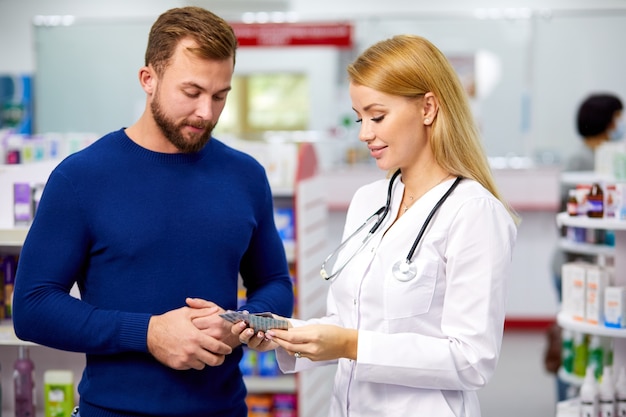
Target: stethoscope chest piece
[404,270]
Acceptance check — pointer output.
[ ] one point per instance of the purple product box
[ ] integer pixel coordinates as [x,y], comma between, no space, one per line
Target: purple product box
[9,268]
[22,203]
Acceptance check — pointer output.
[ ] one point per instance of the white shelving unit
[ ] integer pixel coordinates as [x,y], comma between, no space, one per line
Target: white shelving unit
[8,337]
[567,322]
[617,253]
[619,228]
[586,248]
[13,237]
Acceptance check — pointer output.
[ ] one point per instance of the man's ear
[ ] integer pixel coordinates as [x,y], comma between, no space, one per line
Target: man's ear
[430,108]
[147,79]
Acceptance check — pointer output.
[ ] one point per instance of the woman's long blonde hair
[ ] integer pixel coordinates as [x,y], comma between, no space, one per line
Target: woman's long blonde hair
[410,65]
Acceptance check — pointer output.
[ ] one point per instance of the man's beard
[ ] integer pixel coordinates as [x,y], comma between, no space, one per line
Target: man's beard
[174,132]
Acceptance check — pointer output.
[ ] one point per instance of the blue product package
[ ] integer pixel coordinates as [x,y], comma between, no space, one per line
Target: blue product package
[267,364]
[284,219]
[248,363]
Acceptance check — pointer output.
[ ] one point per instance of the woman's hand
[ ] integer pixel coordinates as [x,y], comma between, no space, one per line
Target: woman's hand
[317,342]
[257,341]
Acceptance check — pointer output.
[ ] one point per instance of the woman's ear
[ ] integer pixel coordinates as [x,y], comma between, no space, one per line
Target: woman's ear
[430,107]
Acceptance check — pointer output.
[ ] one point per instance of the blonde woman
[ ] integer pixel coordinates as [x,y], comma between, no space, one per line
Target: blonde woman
[415,314]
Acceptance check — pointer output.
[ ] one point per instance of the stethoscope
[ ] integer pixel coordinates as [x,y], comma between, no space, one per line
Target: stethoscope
[403,270]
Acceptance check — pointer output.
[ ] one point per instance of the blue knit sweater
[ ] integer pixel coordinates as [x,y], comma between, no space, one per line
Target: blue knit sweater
[140,231]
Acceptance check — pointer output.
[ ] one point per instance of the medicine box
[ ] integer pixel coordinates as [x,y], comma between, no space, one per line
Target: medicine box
[615,307]
[574,289]
[596,283]
[22,204]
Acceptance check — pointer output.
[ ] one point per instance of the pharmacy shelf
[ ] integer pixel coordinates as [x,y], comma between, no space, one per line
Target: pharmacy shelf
[586,248]
[619,228]
[584,177]
[567,322]
[564,219]
[281,384]
[8,337]
[13,237]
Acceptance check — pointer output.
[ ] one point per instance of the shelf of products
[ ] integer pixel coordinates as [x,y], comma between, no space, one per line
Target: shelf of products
[13,237]
[8,337]
[564,219]
[586,248]
[587,328]
[602,252]
[272,384]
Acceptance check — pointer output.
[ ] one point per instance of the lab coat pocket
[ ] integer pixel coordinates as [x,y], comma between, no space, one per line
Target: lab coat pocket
[414,297]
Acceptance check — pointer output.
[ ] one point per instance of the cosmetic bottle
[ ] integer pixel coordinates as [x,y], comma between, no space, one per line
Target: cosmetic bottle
[595,357]
[620,393]
[581,353]
[606,397]
[567,350]
[589,395]
[58,393]
[24,384]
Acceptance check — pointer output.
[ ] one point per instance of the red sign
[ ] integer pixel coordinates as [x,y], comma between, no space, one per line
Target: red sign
[294,34]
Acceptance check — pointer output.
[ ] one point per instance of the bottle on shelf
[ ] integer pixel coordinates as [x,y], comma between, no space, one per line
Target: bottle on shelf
[572,203]
[595,201]
[596,356]
[24,384]
[581,353]
[589,395]
[620,393]
[606,393]
[58,392]
[567,350]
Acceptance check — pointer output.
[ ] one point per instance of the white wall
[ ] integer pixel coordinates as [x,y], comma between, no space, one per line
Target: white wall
[17,52]
[528,111]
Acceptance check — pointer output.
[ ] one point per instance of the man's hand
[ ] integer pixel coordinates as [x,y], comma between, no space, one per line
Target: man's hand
[212,324]
[175,341]
[232,334]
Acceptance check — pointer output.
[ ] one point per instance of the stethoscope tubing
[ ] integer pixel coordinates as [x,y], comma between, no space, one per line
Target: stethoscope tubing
[429,218]
[406,270]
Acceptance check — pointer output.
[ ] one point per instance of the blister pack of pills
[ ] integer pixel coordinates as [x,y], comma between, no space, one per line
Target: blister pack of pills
[259,321]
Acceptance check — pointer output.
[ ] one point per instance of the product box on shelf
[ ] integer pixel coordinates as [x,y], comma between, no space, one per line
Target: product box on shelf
[9,268]
[615,307]
[255,363]
[574,289]
[597,279]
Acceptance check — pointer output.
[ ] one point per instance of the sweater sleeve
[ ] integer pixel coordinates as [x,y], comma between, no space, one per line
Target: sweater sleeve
[54,257]
[264,267]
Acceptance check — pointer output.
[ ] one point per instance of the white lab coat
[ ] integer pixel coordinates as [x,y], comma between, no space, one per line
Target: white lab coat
[427,345]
